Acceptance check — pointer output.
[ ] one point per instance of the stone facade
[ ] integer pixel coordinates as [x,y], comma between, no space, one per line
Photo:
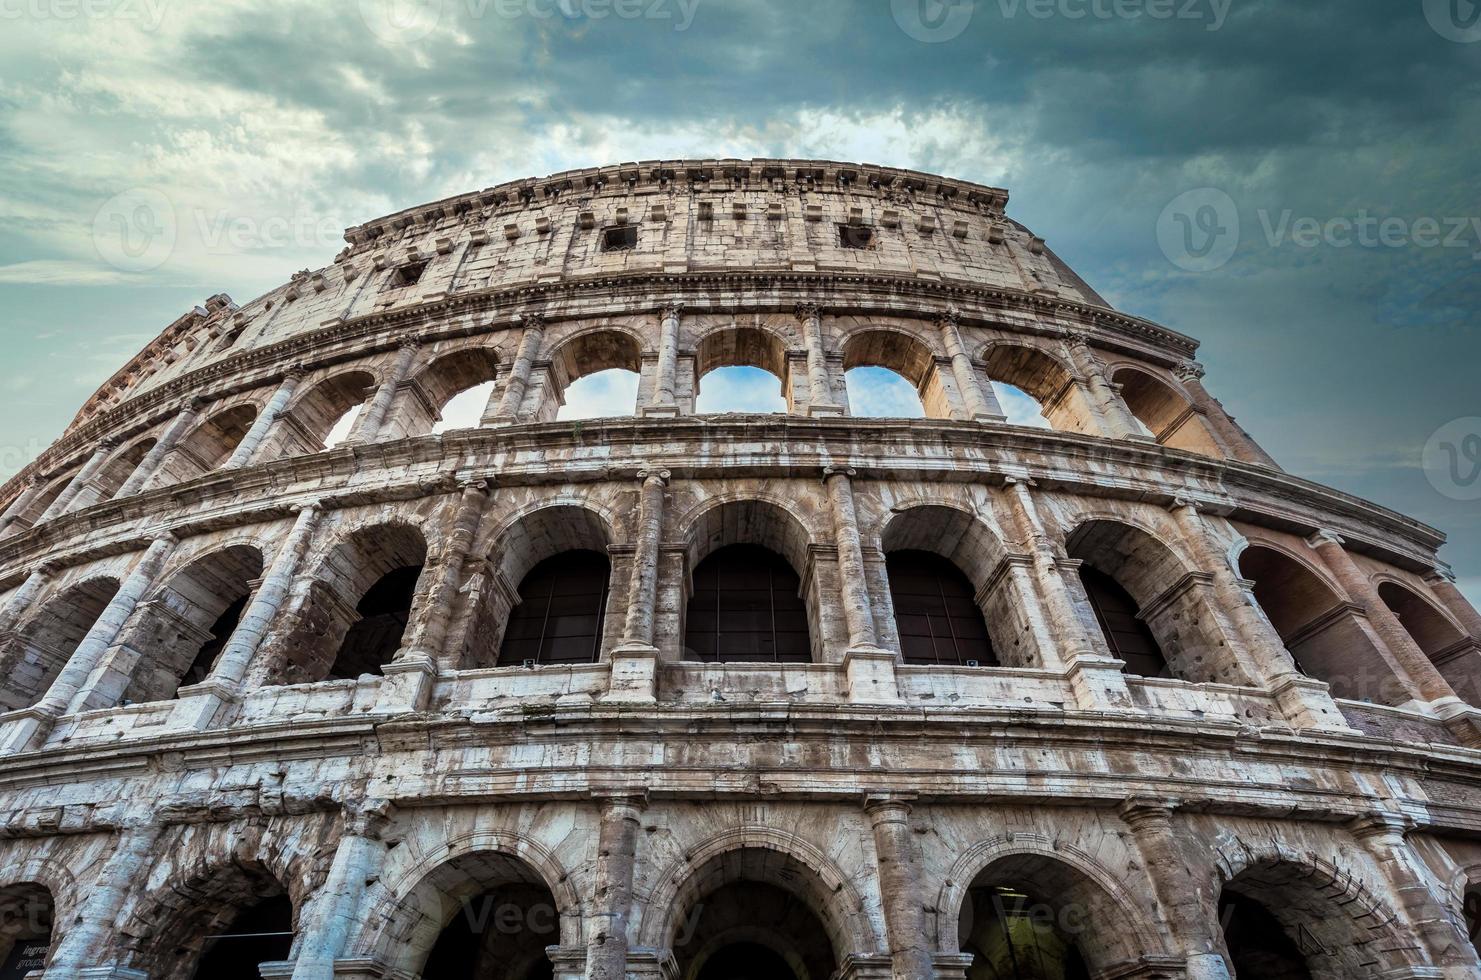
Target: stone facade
[1303,767]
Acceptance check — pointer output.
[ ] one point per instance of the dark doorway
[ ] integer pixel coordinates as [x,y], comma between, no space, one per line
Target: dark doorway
[1258,944]
[562,602]
[936,612]
[376,636]
[1126,633]
[221,630]
[1014,937]
[262,933]
[498,935]
[746,608]
[746,961]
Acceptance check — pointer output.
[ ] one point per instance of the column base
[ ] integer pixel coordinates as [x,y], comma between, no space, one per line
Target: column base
[989,419]
[817,411]
[406,683]
[357,968]
[634,678]
[866,966]
[1099,684]
[950,966]
[659,412]
[26,729]
[646,963]
[1307,703]
[870,675]
[110,973]
[283,970]
[203,706]
[567,962]
[1459,719]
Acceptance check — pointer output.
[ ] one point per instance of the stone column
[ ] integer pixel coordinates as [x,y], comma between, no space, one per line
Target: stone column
[819,392]
[1422,677]
[1175,864]
[663,402]
[368,427]
[900,888]
[870,669]
[265,421]
[149,465]
[1095,676]
[982,403]
[1440,928]
[335,909]
[1235,439]
[37,721]
[617,848]
[518,380]
[84,940]
[1120,423]
[635,661]
[24,596]
[1442,582]
[84,476]
[33,488]
[199,708]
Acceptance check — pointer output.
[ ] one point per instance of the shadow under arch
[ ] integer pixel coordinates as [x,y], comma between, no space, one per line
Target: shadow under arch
[205,447]
[1167,414]
[1046,379]
[905,355]
[1456,655]
[603,348]
[44,642]
[314,415]
[421,410]
[1086,906]
[742,346]
[28,917]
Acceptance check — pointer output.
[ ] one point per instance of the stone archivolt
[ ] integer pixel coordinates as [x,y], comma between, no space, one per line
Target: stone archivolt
[672,691]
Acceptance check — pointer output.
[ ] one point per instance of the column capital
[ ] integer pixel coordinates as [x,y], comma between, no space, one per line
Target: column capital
[109,444]
[1440,573]
[1381,824]
[949,317]
[1189,371]
[624,802]
[882,807]
[306,505]
[1020,481]
[194,403]
[482,485]
[1140,812]
[1325,537]
[1180,502]
[531,320]
[45,569]
[368,818]
[661,477]
[671,310]
[165,536]
[296,371]
[833,469]
[807,311]
[408,342]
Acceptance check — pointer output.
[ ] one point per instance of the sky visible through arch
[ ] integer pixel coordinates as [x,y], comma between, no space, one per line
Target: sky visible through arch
[1293,183]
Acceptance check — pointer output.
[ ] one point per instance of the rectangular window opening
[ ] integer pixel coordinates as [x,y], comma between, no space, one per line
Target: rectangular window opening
[855,236]
[619,239]
[408,275]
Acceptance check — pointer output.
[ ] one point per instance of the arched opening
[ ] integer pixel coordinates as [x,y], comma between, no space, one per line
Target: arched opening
[742,370]
[1034,917]
[209,445]
[560,611]
[115,473]
[936,612]
[1287,920]
[752,910]
[323,418]
[352,620]
[1031,385]
[38,505]
[1323,632]
[181,628]
[458,386]
[746,607]
[1471,911]
[44,643]
[562,606]
[881,365]
[480,916]
[1153,613]
[1452,652]
[221,928]
[1165,413]
[27,913]
[259,933]
[595,376]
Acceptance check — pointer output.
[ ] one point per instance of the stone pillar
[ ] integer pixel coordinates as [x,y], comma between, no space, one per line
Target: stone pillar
[1235,440]
[335,909]
[84,476]
[617,847]
[518,380]
[150,464]
[33,488]
[1095,676]
[982,403]
[1176,863]
[1423,680]
[82,943]
[199,707]
[819,391]
[1440,928]
[870,668]
[1442,582]
[265,421]
[368,427]
[1119,422]
[24,596]
[900,888]
[663,401]
[635,661]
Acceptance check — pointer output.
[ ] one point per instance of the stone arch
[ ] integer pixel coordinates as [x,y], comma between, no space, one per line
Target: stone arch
[520,542]
[208,445]
[1334,920]
[1045,378]
[38,504]
[37,895]
[44,642]
[314,414]
[603,348]
[348,615]
[114,473]
[1171,603]
[743,346]
[1454,653]
[907,356]
[1165,411]
[1083,896]
[767,855]
[1323,629]
[420,899]
[444,379]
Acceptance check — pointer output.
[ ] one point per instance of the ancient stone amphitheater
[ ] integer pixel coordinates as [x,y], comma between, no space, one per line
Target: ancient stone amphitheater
[299,682]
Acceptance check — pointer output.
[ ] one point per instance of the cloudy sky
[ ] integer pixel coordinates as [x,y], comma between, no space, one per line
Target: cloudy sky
[1295,183]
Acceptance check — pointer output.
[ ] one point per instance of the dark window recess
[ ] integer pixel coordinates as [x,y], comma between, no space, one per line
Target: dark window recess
[1257,942]
[260,934]
[501,933]
[936,612]
[221,631]
[1126,634]
[375,637]
[562,602]
[746,609]
[855,236]
[620,239]
[408,275]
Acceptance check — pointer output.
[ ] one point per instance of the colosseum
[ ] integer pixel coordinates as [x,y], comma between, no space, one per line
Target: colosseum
[301,681]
